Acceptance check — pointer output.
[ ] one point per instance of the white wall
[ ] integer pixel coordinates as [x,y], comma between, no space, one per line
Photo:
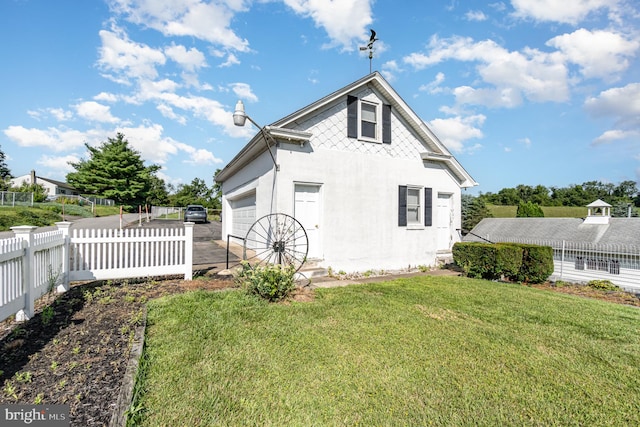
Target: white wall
[258,177]
[359,218]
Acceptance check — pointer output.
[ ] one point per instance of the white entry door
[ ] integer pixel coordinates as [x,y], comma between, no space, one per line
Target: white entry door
[307,213]
[444,221]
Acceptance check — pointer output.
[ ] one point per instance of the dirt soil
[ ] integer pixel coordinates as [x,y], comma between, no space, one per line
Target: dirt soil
[76,348]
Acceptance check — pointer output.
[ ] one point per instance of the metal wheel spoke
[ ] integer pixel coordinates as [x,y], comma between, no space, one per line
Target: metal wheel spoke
[277,239]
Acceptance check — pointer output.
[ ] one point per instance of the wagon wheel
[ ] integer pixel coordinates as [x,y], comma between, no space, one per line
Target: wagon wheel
[276,239]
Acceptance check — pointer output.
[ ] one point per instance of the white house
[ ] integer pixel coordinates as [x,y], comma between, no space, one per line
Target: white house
[372,185]
[51,187]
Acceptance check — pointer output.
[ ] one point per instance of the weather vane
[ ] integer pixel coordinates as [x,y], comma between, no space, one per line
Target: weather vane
[370,47]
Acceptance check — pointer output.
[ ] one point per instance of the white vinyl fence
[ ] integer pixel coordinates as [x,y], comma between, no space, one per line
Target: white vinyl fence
[582,262]
[32,264]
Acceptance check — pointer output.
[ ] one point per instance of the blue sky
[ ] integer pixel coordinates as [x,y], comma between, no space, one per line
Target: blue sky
[521,92]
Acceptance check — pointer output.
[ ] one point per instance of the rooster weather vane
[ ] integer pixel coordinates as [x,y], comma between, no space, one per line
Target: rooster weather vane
[370,47]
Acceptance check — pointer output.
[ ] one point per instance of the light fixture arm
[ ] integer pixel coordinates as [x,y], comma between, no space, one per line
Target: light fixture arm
[239,117]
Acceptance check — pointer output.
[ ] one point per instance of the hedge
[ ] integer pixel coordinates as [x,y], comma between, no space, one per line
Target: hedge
[518,262]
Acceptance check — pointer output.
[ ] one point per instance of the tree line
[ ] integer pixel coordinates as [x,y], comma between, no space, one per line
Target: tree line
[573,195]
[116,171]
[623,198]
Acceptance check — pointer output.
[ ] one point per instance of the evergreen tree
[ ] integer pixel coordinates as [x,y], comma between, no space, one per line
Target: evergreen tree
[5,173]
[529,210]
[473,211]
[114,171]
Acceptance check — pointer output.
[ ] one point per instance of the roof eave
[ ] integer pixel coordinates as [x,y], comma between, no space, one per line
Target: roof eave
[256,146]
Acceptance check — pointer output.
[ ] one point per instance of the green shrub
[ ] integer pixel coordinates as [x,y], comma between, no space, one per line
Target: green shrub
[523,263]
[476,259]
[272,282]
[537,264]
[486,260]
[529,210]
[603,285]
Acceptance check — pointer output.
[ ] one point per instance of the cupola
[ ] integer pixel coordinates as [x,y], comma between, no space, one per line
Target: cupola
[599,212]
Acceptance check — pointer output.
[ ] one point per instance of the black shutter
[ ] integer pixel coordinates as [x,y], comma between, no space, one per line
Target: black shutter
[402,206]
[352,116]
[428,207]
[386,124]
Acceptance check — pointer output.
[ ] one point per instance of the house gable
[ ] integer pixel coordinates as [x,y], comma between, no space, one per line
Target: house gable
[334,123]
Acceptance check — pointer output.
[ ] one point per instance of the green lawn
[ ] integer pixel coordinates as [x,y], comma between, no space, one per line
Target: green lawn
[413,352]
[44,214]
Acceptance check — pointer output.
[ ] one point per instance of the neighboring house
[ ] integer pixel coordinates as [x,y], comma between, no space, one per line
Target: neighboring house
[596,247]
[372,185]
[50,186]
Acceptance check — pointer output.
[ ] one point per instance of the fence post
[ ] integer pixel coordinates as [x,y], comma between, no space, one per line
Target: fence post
[188,250]
[562,260]
[25,232]
[65,227]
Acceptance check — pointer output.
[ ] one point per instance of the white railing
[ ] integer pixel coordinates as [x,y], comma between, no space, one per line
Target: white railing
[582,262]
[32,264]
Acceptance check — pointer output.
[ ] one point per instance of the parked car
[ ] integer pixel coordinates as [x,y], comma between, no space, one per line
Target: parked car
[195,213]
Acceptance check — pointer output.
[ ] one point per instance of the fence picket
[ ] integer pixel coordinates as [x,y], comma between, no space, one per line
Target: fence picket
[32,263]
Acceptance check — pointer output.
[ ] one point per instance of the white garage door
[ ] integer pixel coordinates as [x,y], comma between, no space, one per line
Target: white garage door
[243,214]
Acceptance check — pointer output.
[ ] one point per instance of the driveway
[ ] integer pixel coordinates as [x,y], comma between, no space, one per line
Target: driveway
[209,252]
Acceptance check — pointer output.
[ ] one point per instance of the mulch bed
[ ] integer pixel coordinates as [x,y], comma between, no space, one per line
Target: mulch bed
[76,348]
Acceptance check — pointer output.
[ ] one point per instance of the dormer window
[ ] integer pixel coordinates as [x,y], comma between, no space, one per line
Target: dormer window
[368,121]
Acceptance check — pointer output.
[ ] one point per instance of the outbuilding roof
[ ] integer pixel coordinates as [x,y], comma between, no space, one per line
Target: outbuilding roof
[623,231]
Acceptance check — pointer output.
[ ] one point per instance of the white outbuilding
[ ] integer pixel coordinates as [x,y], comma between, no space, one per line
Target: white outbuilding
[371,184]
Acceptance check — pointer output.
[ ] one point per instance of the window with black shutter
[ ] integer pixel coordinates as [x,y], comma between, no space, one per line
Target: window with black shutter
[415,206]
[368,121]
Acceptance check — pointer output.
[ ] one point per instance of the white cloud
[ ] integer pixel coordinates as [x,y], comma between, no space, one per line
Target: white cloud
[433,86]
[209,21]
[60,164]
[475,15]
[95,112]
[168,112]
[231,60]
[565,11]
[536,75]
[203,157]
[598,53]
[60,114]
[454,131]
[106,97]
[613,135]
[346,21]
[623,103]
[190,60]
[243,91]
[55,139]
[127,59]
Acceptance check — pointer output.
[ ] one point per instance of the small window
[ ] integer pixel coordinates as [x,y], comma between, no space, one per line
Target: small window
[411,211]
[368,120]
[413,205]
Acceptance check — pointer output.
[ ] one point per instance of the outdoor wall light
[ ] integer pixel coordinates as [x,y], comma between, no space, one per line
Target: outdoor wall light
[240,118]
